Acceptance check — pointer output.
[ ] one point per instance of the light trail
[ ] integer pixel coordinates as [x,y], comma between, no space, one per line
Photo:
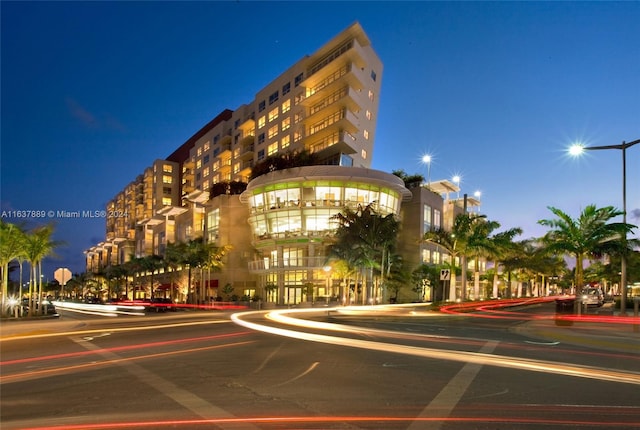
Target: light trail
[107,329]
[494,360]
[279,421]
[118,349]
[84,366]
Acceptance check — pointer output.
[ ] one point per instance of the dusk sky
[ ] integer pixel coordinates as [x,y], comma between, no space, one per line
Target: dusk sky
[94,92]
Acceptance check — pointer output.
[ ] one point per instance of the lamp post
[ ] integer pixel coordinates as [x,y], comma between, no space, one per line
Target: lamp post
[426,159]
[576,150]
[456,180]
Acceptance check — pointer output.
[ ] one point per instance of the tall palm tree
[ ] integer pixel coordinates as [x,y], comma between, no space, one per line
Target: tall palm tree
[465,235]
[150,264]
[366,239]
[12,244]
[585,237]
[38,245]
[502,245]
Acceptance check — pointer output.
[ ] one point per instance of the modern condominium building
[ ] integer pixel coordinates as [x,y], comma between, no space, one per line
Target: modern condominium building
[280,227]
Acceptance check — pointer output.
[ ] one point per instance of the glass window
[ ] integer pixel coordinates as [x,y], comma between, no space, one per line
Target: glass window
[261,106]
[166,179]
[261,154]
[298,79]
[273,98]
[286,88]
[286,123]
[273,113]
[272,149]
[261,138]
[436,218]
[285,141]
[167,168]
[286,106]
[207,145]
[166,201]
[205,159]
[426,218]
[273,131]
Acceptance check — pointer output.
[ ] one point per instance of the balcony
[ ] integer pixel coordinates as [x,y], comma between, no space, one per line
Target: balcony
[335,143]
[343,55]
[343,98]
[343,120]
[299,263]
[247,152]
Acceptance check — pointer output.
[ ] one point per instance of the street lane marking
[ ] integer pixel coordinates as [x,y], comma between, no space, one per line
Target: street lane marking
[450,395]
[187,399]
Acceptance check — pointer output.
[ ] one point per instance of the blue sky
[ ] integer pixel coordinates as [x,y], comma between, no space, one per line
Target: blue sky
[93,92]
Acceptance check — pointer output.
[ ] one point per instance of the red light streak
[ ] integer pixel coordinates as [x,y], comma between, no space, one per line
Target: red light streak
[38,373]
[278,421]
[119,348]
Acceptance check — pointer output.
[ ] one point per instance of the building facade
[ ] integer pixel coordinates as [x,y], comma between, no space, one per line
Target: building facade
[279,228]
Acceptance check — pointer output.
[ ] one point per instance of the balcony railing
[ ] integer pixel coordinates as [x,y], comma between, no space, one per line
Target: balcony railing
[287,264]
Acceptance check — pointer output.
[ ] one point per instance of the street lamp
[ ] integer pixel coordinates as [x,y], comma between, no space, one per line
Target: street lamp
[576,150]
[456,180]
[426,159]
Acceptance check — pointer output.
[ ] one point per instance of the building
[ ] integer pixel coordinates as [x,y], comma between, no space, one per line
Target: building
[326,104]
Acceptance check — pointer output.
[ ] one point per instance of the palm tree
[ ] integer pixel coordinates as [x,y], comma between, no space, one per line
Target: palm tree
[38,245]
[456,243]
[12,244]
[149,264]
[587,236]
[502,245]
[366,240]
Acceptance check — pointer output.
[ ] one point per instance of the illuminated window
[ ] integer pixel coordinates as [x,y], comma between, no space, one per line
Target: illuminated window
[297,118]
[426,256]
[285,141]
[366,134]
[198,164]
[261,121]
[167,168]
[286,123]
[199,151]
[426,218]
[205,172]
[273,131]
[364,154]
[286,106]
[368,115]
[436,218]
[370,95]
[272,149]
[166,201]
[297,136]
[273,114]
[207,145]
[167,179]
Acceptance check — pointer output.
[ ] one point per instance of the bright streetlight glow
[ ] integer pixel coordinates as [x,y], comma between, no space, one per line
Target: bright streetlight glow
[576,149]
[426,159]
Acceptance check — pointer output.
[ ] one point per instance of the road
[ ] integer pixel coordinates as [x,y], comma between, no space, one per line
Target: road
[350,368]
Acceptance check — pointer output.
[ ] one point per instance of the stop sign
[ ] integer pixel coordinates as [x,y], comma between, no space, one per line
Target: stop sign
[62,275]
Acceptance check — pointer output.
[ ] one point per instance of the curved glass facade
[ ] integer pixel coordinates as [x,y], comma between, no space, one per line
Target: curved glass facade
[291,220]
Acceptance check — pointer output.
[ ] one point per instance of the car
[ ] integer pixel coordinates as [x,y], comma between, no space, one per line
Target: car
[160,304]
[592,296]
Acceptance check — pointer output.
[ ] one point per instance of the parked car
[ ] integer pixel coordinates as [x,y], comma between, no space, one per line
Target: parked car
[592,296]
